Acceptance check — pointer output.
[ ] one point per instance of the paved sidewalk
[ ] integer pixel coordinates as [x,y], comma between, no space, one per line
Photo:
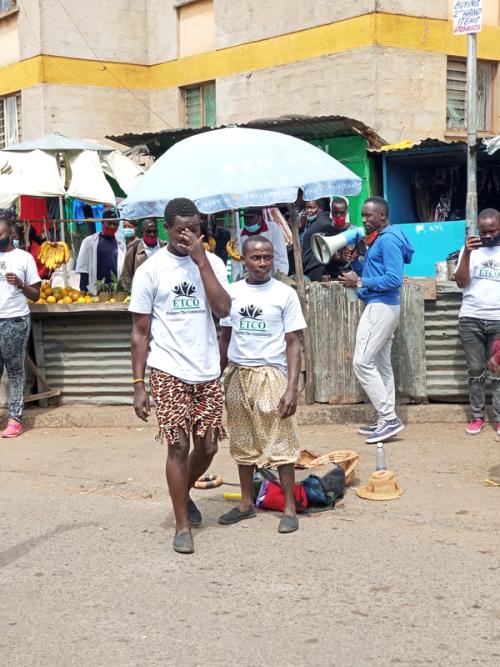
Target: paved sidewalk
[88,576]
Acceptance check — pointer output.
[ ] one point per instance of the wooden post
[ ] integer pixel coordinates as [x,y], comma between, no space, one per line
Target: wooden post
[301,291]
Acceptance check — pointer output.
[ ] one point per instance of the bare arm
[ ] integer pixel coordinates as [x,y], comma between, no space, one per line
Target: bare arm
[31,292]
[462,274]
[217,297]
[224,340]
[288,402]
[141,328]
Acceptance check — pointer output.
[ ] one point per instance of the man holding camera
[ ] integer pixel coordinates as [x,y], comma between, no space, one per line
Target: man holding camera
[478,273]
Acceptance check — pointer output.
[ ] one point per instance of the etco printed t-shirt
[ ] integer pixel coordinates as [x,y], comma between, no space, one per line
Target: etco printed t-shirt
[12,301]
[481,297]
[183,334]
[260,317]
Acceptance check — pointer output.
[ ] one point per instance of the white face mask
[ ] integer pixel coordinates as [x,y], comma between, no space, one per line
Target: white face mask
[128,232]
[15,243]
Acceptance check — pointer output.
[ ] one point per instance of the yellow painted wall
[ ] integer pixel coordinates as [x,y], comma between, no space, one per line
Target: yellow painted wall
[196,28]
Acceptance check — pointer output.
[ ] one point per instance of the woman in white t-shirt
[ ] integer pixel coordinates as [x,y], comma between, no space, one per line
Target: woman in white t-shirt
[19,280]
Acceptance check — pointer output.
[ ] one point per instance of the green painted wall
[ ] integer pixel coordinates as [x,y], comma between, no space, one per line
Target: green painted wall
[351,151]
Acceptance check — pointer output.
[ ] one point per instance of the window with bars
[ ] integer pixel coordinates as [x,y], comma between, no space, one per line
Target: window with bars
[10,120]
[456,94]
[199,105]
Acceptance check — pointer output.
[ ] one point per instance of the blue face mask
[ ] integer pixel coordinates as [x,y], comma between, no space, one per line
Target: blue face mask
[312,218]
[15,243]
[128,232]
[252,228]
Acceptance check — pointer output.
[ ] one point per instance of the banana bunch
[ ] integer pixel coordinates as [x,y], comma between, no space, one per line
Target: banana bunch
[53,255]
[232,250]
[210,244]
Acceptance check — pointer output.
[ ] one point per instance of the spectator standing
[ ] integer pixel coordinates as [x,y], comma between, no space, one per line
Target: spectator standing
[379,287]
[140,251]
[478,273]
[19,281]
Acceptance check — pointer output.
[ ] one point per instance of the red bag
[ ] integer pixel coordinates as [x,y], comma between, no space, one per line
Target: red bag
[274,498]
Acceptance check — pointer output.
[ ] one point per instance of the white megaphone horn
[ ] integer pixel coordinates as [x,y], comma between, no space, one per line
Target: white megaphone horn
[324,247]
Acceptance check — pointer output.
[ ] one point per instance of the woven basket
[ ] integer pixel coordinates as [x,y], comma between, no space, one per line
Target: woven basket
[345,458]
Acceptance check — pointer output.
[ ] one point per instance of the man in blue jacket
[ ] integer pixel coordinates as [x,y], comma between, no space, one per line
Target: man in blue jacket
[379,287]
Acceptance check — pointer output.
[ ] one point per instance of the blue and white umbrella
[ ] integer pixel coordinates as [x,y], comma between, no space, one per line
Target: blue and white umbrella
[236,168]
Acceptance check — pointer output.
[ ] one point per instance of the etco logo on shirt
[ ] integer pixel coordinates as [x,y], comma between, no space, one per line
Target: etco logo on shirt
[250,319]
[489,270]
[185,299]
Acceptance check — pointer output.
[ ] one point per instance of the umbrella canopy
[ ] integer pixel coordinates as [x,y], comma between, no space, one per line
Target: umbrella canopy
[58,143]
[35,174]
[238,167]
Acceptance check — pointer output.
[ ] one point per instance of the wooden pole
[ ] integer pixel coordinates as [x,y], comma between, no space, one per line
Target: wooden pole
[301,291]
[471,202]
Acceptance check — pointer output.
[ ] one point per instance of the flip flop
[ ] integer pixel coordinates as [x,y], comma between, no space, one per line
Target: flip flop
[288,524]
[183,543]
[235,515]
[194,514]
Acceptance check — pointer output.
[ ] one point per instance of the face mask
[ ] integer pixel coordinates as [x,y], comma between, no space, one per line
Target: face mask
[106,231]
[252,228]
[4,244]
[15,243]
[339,221]
[128,232]
[311,218]
[150,240]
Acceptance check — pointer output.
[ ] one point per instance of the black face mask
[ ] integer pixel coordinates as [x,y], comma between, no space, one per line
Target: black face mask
[4,244]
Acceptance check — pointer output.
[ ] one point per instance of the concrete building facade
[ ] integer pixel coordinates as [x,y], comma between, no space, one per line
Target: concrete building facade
[107,67]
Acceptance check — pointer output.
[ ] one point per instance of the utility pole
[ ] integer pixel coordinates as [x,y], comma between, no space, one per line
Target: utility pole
[471,203]
[467,20]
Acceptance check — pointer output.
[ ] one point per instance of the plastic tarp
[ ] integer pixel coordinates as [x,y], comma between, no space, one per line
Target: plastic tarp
[492,145]
[35,173]
[123,170]
[87,180]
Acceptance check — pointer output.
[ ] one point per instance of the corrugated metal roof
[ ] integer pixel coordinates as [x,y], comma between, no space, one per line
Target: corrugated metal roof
[303,127]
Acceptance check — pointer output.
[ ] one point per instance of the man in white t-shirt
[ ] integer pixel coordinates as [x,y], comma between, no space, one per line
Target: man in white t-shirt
[260,340]
[174,297]
[478,273]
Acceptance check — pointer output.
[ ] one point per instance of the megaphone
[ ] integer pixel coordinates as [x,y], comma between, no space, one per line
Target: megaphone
[324,247]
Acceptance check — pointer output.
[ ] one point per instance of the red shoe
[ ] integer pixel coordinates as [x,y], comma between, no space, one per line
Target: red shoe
[475,427]
[13,429]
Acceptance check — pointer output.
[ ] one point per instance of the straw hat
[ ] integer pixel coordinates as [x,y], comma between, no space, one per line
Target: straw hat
[381,486]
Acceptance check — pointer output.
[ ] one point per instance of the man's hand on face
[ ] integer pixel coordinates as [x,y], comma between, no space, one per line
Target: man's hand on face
[472,243]
[288,404]
[192,246]
[349,279]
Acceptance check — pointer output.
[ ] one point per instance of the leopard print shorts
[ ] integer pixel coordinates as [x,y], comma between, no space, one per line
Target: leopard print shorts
[186,407]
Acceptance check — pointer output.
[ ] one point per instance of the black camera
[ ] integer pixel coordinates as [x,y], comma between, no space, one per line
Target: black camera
[490,241]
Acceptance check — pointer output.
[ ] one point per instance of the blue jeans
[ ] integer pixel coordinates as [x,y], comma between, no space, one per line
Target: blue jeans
[14,334]
[477,337]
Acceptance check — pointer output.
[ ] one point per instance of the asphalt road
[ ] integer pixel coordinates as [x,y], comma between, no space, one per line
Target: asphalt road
[88,576]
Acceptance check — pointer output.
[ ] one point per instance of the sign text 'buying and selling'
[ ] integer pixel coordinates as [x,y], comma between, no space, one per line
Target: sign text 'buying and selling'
[467,16]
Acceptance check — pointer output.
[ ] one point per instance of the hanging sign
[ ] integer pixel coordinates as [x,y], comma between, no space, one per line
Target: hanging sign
[467,16]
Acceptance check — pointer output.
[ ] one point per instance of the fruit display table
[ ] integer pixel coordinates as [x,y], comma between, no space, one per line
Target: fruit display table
[84,351]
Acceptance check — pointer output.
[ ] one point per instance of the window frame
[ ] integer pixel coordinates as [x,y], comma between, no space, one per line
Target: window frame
[201,87]
[3,118]
[490,101]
